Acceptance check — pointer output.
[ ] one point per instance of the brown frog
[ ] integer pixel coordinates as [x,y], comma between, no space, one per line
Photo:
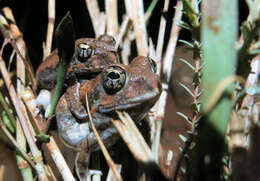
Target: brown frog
[132,88]
[90,57]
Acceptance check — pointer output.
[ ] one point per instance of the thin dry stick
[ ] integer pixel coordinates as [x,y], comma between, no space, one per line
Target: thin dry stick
[169,55]
[52,147]
[133,138]
[10,137]
[24,167]
[95,16]
[139,27]
[168,60]
[111,17]
[59,160]
[18,107]
[20,68]
[18,43]
[108,158]
[128,6]
[122,30]
[51,20]
[160,40]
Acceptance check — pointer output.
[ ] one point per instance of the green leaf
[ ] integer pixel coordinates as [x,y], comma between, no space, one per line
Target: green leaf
[187,63]
[184,117]
[186,43]
[183,138]
[7,122]
[43,137]
[187,89]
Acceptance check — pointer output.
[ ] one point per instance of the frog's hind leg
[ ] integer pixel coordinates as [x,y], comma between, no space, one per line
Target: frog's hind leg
[70,130]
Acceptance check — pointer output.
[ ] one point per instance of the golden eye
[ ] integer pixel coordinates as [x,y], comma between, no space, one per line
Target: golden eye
[84,52]
[114,78]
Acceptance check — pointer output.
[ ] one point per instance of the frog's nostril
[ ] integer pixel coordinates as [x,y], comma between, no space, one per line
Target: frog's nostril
[113,75]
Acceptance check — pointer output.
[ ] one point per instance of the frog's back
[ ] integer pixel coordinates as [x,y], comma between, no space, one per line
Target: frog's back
[46,73]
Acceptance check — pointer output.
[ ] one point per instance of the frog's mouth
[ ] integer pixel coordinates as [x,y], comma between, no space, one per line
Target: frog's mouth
[136,103]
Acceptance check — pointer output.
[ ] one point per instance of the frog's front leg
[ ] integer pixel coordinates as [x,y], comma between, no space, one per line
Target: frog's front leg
[75,105]
[69,129]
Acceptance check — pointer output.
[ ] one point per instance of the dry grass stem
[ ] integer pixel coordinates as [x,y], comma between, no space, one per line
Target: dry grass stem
[152,53]
[16,40]
[50,29]
[59,160]
[160,40]
[128,7]
[11,138]
[96,16]
[139,27]
[108,158]
[22,143]
[170,50]
[111,18]
[133,138]
[126,51]
[20,68]
[41,125]
[122,31]
[167,64]
[110,175]
[20,113]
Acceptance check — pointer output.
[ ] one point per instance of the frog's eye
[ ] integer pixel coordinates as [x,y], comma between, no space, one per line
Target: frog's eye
[84,52]
[114,79]
[153,65]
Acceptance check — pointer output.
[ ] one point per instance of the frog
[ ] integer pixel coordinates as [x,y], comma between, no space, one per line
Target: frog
[133,88]
[90,57]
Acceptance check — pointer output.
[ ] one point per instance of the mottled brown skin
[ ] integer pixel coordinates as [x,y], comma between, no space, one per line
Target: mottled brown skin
[139,92]
[103,53]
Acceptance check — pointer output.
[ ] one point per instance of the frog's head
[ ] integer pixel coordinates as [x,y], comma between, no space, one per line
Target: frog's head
[133,88]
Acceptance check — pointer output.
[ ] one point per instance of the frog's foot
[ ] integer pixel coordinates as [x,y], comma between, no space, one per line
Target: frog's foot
[75,105]
[43,101]
[70,130]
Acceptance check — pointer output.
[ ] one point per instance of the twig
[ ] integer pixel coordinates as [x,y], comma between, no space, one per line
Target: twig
[139,27]
[29,98]
[15,37]
[159,107]
[160,40]
[59,160]
[168,59]
[111,17]
[108,158]
[169,55]
[122,30]
[133,138]
[25,169]
[96,17]
[51,20]
[18,107]
[10,137]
